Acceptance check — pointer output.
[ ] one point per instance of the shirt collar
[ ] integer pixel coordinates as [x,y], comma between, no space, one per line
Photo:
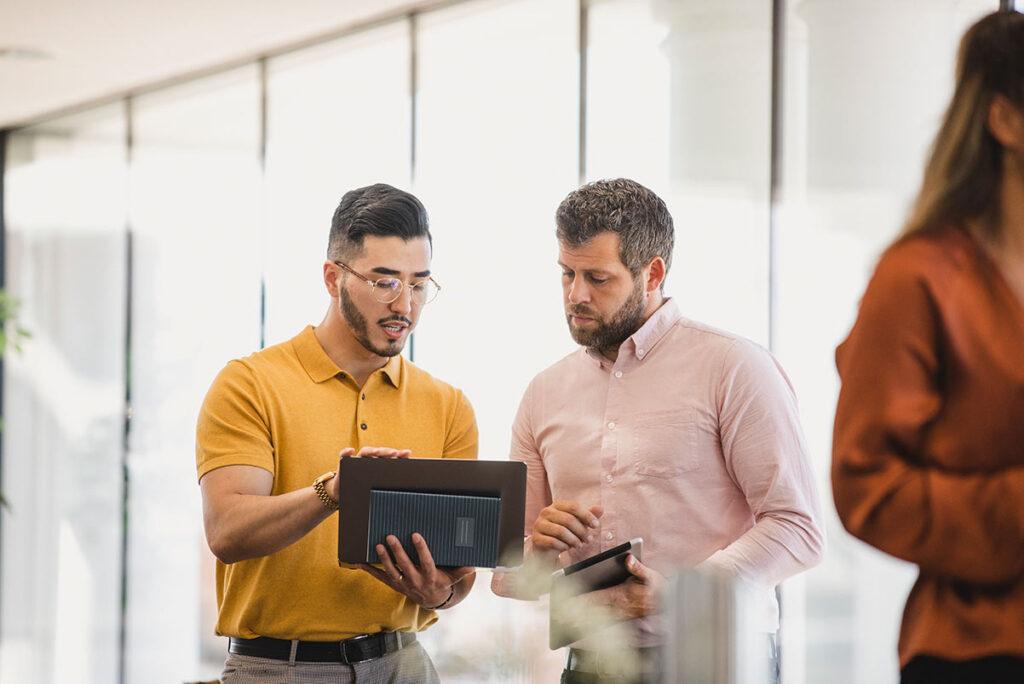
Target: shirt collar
[319,366]
[640,343]
[655,328]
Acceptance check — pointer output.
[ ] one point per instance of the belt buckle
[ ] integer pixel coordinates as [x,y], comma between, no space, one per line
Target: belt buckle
[349,642]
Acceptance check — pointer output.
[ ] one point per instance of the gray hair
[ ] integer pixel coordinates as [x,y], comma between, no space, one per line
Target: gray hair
[626,208]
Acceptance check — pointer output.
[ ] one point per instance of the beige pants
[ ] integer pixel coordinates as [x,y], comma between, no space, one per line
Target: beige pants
[410,665]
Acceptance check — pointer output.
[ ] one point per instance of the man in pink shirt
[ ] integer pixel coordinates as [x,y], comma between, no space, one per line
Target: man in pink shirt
[657,427]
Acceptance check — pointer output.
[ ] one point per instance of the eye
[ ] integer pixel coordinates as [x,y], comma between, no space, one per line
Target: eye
[598,281]
[567,274]
[419,287]
[389,284]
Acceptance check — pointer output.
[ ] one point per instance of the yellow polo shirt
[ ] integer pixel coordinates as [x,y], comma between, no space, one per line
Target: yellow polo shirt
[289,410]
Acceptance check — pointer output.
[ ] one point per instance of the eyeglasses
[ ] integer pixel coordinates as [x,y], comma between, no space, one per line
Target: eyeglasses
[387,290]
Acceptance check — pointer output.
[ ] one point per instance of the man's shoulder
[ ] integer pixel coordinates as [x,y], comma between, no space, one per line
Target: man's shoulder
[731,348]
[567,366]
[421,381]
[273,359]
[271,364]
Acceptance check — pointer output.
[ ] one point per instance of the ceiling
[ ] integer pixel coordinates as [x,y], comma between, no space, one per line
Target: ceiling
[59,54]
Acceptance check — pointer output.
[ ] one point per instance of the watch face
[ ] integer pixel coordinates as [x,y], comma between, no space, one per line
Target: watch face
[324,478]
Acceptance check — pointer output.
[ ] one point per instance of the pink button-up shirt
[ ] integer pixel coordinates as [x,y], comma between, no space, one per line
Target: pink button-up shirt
[691,439]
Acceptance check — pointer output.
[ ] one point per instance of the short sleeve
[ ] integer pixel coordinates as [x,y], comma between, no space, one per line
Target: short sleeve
[233,426]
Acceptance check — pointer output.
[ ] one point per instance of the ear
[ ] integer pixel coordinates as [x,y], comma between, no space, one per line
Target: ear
[1006,122]
[332,279]
[656,272]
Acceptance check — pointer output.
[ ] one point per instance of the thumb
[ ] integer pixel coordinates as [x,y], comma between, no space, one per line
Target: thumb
[346,452]
[637,569]
[459,574]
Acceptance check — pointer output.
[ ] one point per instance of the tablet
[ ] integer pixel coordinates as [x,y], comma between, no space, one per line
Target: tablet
[600,571]
[471,513]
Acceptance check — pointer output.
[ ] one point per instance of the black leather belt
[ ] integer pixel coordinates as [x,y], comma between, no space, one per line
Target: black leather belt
[354,650]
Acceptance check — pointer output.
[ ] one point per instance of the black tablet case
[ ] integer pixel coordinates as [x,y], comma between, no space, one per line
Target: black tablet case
[429,496]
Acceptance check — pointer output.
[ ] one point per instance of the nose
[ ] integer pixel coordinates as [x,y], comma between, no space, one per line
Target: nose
[578,292]
[403,304]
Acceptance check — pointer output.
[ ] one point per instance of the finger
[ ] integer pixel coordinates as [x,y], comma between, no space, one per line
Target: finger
[412,575]
[553,529]
[404,453]
[378,573]
[581,530]
[543,542]
[574,508]
[427,566]
[597,511]
[377,452]
[346,452]
[389,567]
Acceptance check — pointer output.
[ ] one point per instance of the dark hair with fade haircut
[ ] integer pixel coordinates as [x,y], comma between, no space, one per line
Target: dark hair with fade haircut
[380,210]
[624,207]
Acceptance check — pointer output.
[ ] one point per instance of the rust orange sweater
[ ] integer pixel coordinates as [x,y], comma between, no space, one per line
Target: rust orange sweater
[928,448]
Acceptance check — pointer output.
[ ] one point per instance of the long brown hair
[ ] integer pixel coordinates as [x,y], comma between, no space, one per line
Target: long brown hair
[964,169]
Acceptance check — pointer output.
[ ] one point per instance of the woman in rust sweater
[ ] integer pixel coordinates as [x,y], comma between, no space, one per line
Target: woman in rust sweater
[928,449]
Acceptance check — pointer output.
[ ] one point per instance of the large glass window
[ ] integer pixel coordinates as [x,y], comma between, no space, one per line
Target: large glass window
[195,215]
[63,402]
[338,118]
[865,88]
[496,151]
[679,99]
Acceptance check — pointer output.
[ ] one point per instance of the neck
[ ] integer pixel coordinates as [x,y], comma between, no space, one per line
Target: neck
[1011,206]
[344,349]
[654,303]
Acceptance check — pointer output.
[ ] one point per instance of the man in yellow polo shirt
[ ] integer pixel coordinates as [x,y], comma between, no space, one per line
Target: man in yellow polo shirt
[269,435]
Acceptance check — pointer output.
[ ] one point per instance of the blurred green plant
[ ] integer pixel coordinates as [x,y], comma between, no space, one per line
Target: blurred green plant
[12,335]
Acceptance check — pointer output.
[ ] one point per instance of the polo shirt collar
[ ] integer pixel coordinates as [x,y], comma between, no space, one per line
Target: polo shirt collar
[393,370]
[319,366]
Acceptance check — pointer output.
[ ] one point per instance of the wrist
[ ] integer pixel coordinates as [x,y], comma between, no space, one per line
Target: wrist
[446,602]
[322,492]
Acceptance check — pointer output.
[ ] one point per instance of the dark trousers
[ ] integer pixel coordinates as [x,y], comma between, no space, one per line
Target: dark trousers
[993,670]
[577,677]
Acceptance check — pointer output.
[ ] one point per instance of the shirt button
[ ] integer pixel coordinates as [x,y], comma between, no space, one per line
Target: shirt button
[364,396]
[362,426]
[611,425]
[618,374]
[640,352]
[609,536]
[607,478]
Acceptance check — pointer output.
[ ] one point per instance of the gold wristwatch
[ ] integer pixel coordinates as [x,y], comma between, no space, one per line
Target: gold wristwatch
[318,487]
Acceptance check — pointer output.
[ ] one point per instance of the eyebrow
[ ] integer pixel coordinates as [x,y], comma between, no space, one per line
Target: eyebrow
[392,272]
[591,271]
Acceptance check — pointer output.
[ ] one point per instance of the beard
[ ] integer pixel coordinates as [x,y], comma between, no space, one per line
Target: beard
[609,334]
[361,331]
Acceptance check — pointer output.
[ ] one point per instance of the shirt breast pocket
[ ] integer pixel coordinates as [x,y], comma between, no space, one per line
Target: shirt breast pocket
[664,443]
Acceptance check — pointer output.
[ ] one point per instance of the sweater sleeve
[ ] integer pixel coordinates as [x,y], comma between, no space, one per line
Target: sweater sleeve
[964,525]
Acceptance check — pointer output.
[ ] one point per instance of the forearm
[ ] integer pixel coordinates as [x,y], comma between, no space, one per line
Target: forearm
[969,526]
[775,548]
[252,526]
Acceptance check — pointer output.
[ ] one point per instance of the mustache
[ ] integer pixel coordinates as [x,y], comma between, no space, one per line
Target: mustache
[397,319]
[579,310]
